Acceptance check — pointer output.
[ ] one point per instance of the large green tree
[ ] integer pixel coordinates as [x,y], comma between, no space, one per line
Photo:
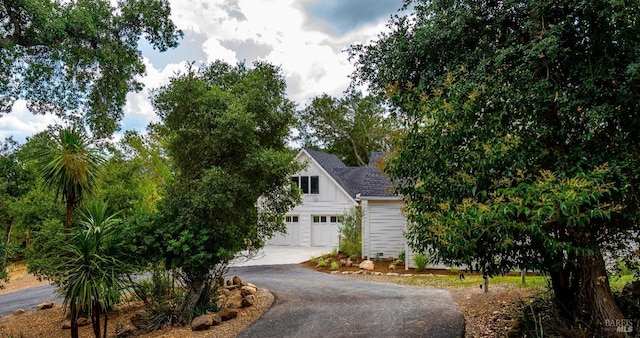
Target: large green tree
[350,127]
[522,143]
[228,130]
[79,56]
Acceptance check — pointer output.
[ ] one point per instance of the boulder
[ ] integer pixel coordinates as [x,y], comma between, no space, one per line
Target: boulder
[251,285]
[201,323]
[237,281]
[392,267]
[66,325]
[216,319]
[347,262]
[83,321]
[367,265]
[248,300]
[19,312]
[228,314]
[247,290]
[45,305]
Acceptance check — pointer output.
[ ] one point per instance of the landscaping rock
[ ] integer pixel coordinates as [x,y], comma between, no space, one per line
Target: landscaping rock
[66,324]
[249,300]
[45,305]
[237,281]
[83,321]
[392,267]
[367,265]
[231,287]
[201,323]
[228,314]
[393,274]
[378,273]
[226,292]
[19,312]
[247,290]
[216,319]
[250,284]
[346,262]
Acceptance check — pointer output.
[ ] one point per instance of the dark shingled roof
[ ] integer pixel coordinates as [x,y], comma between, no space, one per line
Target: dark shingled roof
[368,181]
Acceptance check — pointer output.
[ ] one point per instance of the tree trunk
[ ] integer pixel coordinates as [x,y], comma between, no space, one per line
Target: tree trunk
[95,317]
[106,316]
[565,289]
[74,319]
[596,290]
[67,218]
[196,288]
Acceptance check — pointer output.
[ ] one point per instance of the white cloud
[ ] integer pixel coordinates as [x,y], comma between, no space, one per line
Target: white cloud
[21,123]
[312,57]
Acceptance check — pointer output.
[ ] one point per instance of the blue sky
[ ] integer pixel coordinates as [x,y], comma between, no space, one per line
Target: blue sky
[306,38]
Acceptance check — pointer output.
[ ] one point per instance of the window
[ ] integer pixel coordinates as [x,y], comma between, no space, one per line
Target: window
[308,184]
[315,184]
[319,219]
[334,219]
[291,219]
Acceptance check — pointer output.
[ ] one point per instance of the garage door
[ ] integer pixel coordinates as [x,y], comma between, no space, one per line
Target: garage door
[324,231]
[290,238]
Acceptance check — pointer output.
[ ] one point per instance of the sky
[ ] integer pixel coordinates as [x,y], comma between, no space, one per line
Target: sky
[306,38]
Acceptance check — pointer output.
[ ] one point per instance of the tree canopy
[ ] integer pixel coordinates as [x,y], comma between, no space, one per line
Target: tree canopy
[522,146]
[228,130]
[80,57]
[350,127]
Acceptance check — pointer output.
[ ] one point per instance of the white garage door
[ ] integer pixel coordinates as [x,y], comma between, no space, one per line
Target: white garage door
[324,231]
[291,237]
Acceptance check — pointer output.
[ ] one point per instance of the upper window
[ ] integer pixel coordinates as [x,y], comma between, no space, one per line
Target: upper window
[308,184]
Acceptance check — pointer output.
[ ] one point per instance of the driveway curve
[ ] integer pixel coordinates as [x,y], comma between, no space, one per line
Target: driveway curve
[313,304]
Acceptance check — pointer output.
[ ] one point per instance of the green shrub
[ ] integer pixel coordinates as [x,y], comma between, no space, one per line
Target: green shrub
[335,265]
[314,260]
[350,231]
[421,260]
[334,252]
[402,255]
[322,263]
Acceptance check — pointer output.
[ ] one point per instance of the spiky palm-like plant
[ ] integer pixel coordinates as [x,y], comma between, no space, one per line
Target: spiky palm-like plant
[93,277]
[71,167]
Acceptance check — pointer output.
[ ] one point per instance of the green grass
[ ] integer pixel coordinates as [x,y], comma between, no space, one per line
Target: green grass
[453,281]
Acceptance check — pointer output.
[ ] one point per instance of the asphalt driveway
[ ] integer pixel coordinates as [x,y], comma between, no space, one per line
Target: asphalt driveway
[313,304]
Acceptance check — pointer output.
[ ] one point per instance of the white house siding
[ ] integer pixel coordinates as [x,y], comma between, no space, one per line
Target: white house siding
[331,200]
[383,227]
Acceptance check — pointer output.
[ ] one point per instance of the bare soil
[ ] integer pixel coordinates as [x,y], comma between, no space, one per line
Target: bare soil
[48,323]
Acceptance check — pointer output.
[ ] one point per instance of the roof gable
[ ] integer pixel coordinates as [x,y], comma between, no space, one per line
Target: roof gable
[366,181]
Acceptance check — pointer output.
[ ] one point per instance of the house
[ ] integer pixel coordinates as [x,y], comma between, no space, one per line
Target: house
[329,189]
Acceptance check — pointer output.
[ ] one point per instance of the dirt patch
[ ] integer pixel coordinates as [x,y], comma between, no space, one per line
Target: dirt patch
[20,279]
[48,323]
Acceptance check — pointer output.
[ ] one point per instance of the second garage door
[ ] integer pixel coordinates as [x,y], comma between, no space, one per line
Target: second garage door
[324,231]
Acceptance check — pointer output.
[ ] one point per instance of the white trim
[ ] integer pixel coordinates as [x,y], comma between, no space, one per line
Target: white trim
[355,202]
[380,198]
